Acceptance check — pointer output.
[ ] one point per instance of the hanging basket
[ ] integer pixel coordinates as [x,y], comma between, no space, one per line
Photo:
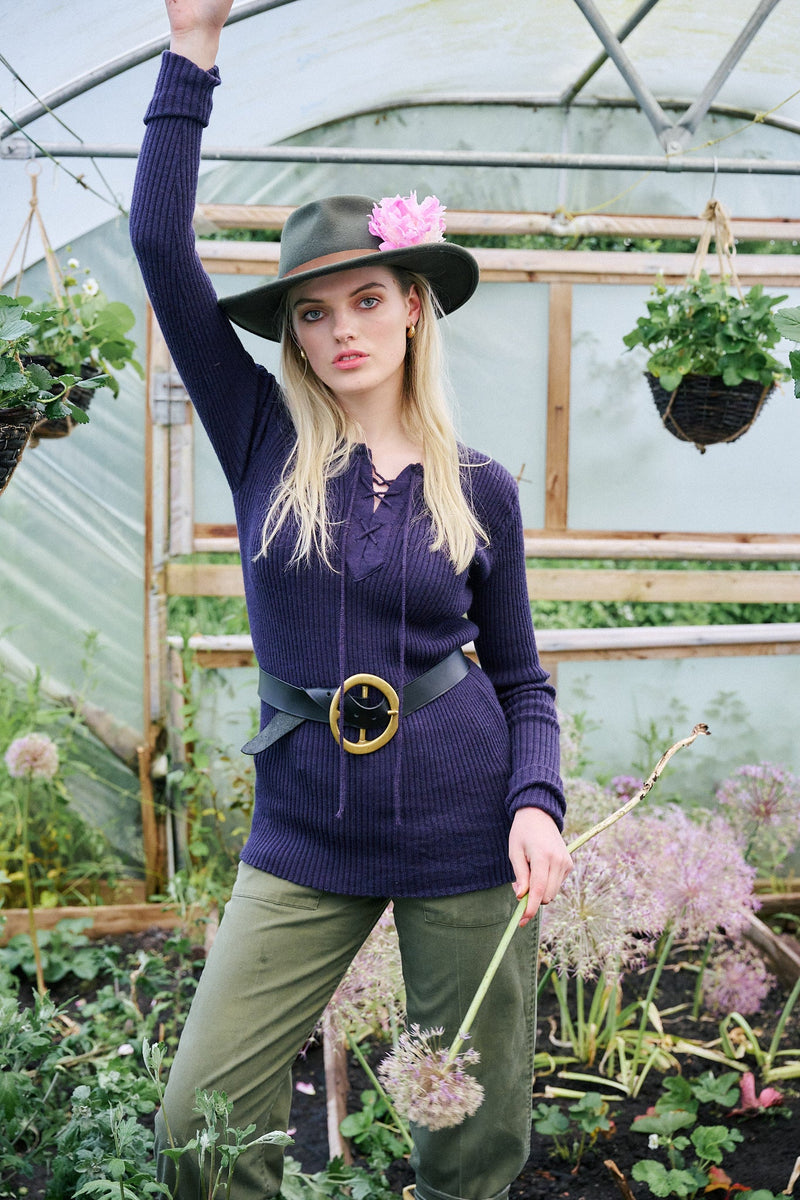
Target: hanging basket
[60,427]
[16,425]
[704,411]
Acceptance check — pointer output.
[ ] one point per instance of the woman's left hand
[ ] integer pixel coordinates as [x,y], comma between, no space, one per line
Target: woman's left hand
[539,857]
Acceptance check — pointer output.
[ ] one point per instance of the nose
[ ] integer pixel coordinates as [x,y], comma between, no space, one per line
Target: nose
[342,326]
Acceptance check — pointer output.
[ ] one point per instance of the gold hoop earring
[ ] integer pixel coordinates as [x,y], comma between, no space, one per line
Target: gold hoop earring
[411,332]
[302,353]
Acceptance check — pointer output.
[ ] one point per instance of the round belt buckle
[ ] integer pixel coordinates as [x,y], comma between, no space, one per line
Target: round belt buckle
[362,746]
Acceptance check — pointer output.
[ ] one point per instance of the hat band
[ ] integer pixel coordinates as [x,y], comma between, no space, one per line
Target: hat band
[327,260]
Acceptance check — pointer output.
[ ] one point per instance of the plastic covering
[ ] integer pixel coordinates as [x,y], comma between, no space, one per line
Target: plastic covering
[71,523]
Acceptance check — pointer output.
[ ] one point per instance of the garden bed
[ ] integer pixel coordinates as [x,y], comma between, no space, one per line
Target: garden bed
[764,1159]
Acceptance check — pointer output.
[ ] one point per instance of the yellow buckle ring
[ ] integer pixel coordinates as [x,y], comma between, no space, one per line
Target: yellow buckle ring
[362,746]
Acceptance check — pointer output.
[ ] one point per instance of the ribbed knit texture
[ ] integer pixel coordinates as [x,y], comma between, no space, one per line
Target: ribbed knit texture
[429,813]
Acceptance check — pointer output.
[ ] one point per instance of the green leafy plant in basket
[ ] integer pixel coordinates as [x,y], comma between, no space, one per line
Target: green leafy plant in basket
[787,323]
[29,390]
[710,366]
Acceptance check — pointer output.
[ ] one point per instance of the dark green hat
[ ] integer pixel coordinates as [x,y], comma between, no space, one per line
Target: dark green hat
[332,235]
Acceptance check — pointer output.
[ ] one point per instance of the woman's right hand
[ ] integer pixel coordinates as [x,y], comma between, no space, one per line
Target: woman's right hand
[195,27]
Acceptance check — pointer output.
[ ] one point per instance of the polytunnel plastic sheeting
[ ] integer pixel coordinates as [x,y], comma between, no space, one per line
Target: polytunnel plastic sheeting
[312,62]
[634,709]
[71,523]
[628,473]
[513,129]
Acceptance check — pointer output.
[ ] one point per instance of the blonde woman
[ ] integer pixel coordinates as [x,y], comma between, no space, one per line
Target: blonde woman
[374,546]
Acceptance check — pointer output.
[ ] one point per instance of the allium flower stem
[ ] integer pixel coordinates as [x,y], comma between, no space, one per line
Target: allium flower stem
[574,845]
[26,876]
[381,1090]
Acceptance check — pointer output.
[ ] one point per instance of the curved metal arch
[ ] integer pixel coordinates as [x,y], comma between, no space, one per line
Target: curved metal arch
[118,66]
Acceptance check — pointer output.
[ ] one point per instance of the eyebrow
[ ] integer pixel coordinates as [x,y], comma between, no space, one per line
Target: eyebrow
[365,287]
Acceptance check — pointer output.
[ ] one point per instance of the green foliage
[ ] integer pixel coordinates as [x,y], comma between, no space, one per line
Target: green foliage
[68,859]
[704,329]
[336,1182]
[575,1130]
[85,328]
[32,385]
[375,1137]
[686,1172]
[64,949]
[787,323]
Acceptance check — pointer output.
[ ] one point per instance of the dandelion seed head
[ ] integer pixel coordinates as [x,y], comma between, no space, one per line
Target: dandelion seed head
[34,756]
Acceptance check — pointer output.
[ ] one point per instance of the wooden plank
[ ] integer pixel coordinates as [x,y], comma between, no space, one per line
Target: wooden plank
[559,362]
[740,587]
[108,920]
[539,266]
[460,221]
[588,543]
[711,547]
[544,583]
[203,579]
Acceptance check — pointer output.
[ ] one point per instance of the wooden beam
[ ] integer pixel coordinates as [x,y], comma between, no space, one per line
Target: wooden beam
[559,361]
[107,920]
[589,543]
[734,587]
[739,587]
[273,216]
[539,266]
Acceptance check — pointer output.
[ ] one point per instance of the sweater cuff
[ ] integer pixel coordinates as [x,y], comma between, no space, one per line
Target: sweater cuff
[543,798]
[182,90]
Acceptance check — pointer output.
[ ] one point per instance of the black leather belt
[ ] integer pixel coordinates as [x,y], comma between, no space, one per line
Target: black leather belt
[296,704]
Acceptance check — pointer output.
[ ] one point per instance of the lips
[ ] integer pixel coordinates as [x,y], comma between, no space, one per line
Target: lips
[349,358]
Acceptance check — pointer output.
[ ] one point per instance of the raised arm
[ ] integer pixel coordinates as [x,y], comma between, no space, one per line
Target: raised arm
[232,395]
[195,27]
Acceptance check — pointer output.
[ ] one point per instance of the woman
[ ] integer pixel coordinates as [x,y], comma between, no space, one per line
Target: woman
[367,534]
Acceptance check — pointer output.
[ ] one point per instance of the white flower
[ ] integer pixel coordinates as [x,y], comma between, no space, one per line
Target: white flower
[91,287]
[73,264]
[652,1142]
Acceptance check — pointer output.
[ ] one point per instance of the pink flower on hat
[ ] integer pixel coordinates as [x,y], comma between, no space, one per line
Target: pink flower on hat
[402,221]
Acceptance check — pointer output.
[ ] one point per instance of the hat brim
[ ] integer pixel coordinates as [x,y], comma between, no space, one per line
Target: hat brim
[451,271]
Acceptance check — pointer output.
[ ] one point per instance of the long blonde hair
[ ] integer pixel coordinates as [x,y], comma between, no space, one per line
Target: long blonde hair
[326,436]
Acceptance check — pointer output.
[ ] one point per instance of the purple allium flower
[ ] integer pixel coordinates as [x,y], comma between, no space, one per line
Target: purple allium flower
[372,994]
[762,803]
[587,928]
[736,980]
[424,1086]
[690,873]
[625,787]
[32,757]
[587,803]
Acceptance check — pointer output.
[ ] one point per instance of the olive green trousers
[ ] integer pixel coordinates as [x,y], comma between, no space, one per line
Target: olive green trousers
[279,955]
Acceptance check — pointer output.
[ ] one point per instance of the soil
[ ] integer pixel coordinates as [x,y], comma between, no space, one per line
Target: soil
[764,1159]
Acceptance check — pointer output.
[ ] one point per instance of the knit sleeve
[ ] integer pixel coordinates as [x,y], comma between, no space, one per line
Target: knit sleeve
[233,396]
[506,649]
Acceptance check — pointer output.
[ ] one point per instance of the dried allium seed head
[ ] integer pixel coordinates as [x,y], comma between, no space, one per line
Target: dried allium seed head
[424,1086]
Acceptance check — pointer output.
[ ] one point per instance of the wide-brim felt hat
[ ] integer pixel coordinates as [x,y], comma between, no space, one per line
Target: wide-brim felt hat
[331,235]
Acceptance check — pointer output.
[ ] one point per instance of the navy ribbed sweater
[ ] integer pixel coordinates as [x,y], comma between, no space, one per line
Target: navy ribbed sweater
[429,813]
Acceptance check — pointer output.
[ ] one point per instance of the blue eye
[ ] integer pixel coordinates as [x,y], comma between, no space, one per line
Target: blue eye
[313,314]
[369,301]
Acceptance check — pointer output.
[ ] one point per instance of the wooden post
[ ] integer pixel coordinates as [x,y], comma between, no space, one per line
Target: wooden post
[337,1086]
[559,354]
